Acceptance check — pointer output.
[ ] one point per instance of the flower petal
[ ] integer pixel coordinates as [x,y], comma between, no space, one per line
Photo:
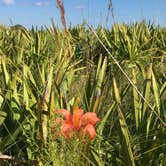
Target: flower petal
[89,118]
[90,130]
[76,119]
[67,130]
[65,113]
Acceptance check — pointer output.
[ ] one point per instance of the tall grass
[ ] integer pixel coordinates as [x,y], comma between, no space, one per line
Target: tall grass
[47,69]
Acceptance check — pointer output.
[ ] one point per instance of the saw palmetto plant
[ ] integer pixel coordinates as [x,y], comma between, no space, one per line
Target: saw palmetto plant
[118,74]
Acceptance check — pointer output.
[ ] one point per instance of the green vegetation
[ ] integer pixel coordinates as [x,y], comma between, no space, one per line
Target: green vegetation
[47,69]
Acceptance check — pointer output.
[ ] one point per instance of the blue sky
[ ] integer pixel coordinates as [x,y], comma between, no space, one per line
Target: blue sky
[39,12]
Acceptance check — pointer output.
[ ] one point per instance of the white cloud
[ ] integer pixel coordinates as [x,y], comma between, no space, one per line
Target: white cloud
[8,2]
[42,4]
[80,7]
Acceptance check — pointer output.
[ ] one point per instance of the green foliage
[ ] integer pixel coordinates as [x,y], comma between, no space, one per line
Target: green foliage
[46,69]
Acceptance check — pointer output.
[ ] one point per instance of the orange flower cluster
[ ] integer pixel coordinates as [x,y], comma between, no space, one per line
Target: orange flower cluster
[78,123]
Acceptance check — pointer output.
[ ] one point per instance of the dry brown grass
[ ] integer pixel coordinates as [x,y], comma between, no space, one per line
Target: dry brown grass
[62,11]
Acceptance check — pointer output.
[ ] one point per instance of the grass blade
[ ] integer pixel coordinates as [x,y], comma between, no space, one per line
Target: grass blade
[124,136]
